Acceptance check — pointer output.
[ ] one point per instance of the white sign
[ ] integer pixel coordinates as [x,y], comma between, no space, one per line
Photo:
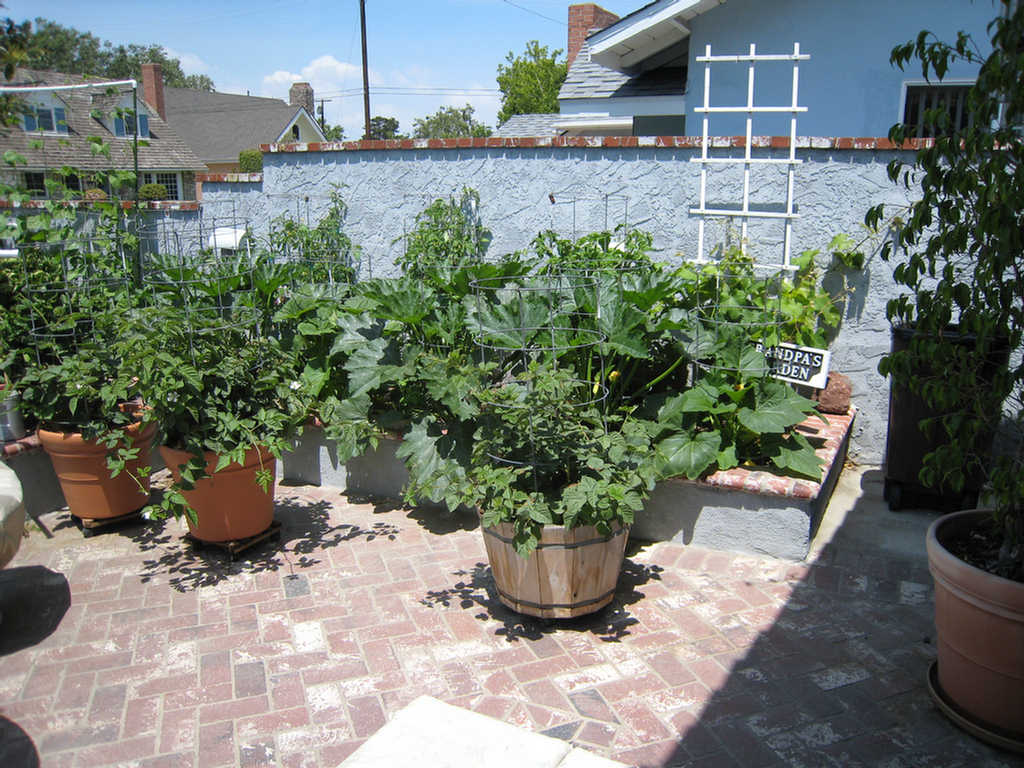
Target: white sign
[800,365]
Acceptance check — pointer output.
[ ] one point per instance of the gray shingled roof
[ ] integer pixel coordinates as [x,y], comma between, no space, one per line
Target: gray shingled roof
[528,125]
[589,80]
[219,125]
[163,151]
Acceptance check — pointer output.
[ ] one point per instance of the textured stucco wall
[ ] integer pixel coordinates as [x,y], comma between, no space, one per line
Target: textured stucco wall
[593,187]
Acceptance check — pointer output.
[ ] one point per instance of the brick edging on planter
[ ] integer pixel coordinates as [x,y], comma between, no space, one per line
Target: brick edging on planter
[761,481]
[231,178]
[24,445]
[611,142]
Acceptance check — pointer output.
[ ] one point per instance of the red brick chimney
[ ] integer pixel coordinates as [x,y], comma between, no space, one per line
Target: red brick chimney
[153,88]
[582,19]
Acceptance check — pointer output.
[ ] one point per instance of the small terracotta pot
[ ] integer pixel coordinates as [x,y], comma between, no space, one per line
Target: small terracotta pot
[230,505]
[979,622]
[81,467]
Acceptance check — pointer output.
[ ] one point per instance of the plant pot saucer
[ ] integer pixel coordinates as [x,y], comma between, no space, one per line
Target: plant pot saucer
[990,734]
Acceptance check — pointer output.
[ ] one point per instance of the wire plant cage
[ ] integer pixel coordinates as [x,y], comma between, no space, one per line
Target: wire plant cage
[69,285]
[542,333]
[206,268]
[446,232]
[306,241]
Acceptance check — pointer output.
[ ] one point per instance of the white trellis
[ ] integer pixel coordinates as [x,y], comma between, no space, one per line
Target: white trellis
[744,212]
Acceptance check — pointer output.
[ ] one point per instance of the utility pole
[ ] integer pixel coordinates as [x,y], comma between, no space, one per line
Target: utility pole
[320,113]
[366,72]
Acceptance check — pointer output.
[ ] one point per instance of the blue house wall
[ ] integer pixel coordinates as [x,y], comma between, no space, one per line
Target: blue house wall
[848,85]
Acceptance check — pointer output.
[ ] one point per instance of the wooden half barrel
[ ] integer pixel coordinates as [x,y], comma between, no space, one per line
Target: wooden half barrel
[572,572]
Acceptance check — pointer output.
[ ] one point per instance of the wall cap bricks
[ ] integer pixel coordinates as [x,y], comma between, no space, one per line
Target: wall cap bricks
[612,142]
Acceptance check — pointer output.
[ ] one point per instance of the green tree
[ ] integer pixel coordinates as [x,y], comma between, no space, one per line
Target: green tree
[383,128]
[449,122]
[65,49]
[333,132]
[529,83]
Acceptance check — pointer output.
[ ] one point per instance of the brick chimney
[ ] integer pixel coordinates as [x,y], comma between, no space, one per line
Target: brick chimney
[583,19]
[153,88]
[301,95]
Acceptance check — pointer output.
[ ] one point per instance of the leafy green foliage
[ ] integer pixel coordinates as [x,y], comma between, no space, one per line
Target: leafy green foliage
[383,128]
[250,161]
[52,46]
[449,122]
[958,252]
[529,82]
[446,232]
[149,192]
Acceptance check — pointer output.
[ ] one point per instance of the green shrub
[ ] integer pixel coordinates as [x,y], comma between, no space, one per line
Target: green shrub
[149,192]
[250,161]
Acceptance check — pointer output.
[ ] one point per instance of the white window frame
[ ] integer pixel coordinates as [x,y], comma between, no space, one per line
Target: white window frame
[153,177]
[949,81]
[57,124]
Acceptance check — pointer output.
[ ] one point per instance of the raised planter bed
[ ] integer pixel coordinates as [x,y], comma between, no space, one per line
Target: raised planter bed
[748,510]
[743,510]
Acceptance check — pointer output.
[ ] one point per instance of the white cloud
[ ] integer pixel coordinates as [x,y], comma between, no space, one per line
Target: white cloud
[191,64]
[342,83]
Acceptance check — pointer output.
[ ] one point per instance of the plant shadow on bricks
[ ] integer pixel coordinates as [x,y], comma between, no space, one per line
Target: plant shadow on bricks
[306,527]
[476,589]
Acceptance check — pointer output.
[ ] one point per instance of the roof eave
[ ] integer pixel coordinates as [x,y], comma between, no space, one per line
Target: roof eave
[628,42]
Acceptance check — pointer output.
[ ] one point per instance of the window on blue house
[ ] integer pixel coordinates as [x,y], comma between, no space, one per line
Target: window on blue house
[951,99]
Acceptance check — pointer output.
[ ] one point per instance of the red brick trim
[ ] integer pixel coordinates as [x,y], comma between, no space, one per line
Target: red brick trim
[231,178]
[24,445]
[161,205]
[611,142]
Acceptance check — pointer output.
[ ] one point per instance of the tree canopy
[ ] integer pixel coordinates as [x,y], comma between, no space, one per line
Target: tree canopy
[529,83]
[449,122]
[52,46]
[383,128]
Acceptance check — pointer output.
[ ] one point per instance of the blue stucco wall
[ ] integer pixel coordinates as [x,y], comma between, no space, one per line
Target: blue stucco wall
[848,84]
[647,187]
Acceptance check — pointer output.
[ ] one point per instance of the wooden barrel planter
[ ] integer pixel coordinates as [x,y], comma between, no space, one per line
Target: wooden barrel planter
[230,505]
[572,572]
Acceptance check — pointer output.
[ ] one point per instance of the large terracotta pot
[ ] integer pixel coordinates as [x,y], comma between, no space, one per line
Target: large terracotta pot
[81,467]
[230,505]
[572,572]
[979,621]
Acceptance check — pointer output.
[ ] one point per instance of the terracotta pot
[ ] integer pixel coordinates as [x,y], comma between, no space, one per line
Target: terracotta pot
[230,505]
[572,572]
[979,621]
[81,467]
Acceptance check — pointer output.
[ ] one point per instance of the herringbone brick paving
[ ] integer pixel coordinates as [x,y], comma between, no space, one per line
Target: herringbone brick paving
[167,655]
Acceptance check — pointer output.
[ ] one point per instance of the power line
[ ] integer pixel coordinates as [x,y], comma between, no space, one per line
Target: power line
[535,13]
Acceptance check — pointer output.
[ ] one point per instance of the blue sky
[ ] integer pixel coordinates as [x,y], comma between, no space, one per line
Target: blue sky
[416,47]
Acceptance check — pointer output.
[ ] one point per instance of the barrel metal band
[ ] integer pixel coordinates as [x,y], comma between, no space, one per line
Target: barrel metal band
[542,606]
[556,545]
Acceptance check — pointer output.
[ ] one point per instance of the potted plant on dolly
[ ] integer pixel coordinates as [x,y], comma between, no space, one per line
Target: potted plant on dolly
[227,400]
[91,426]
[960,253]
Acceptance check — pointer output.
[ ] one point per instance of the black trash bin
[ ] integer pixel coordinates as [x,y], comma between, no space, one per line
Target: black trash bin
[907,443]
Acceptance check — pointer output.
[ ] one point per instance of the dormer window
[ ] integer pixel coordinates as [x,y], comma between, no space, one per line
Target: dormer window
[46,119]
[125,125]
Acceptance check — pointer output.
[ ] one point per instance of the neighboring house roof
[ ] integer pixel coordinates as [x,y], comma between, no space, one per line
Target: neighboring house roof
[162,151]
[529,126]
[220,125]
[587,79]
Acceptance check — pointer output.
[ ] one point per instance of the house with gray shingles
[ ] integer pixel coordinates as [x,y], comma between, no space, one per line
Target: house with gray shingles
[217,126]
[59,129]
[638,75]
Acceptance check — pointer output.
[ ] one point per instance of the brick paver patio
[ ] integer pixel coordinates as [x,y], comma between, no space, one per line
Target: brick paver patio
[164,655]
